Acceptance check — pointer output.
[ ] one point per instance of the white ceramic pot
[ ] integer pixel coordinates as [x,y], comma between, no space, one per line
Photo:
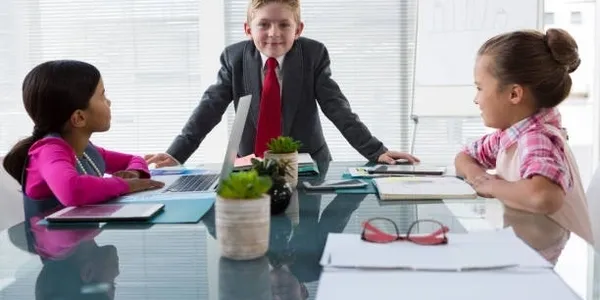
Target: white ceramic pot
[292,158]
[243,227]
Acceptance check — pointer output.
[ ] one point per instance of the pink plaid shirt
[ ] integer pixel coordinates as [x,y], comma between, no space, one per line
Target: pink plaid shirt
[540,151]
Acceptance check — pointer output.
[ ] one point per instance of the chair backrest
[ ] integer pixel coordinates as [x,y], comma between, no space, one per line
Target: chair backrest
[593,201]
[11,200]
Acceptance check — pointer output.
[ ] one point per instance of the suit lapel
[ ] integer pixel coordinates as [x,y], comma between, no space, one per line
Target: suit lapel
[252,69]
[292,86]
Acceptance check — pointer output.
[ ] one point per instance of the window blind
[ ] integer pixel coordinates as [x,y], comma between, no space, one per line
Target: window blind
[371,49]
[148,51]
[157,57]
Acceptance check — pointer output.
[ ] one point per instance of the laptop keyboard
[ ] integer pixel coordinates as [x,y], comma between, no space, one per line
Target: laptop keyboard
[192,183]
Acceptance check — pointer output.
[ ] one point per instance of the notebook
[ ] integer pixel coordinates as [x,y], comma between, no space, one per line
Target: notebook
[423,187]
[107,212]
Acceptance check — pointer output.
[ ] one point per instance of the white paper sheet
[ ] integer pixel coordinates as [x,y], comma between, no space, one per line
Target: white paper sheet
[424,187]
[393,285]
[478,250]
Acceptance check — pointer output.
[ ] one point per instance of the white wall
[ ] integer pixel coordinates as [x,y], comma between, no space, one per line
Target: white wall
[596,93]
[563,12]
[578,109]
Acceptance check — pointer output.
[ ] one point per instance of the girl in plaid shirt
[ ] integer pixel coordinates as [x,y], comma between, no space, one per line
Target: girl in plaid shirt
[521,77]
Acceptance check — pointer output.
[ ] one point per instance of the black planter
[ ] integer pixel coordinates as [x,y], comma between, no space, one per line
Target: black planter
[281,194]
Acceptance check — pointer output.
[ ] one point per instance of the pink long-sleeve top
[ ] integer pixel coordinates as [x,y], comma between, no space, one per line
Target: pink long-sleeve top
[540,152]
[51,172]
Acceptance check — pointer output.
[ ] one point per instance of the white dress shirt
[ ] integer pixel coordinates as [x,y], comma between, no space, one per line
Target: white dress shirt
[278,71]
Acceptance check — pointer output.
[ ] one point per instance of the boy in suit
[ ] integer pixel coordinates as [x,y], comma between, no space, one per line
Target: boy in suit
[285,74]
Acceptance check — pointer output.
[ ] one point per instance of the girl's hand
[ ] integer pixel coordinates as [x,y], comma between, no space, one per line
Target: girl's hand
[127,174]
[484,184]
[139,185]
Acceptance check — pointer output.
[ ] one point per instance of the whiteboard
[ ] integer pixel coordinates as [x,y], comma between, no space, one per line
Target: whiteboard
[449,33]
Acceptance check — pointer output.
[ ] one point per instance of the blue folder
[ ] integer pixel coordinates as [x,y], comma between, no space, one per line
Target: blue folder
[179,209]
[369,189]
[183,211]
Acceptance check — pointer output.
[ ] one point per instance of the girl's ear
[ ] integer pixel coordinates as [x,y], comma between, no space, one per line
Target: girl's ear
[516,94]
[78,119]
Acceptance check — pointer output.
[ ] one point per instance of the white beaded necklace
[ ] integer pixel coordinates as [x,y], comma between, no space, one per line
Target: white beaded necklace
[91,163]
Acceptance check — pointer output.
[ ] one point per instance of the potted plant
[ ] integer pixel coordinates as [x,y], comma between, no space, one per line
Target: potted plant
[242,215]
[286,148]
[281,191]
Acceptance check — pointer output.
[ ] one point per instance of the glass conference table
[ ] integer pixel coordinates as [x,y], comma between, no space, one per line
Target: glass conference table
[167,261]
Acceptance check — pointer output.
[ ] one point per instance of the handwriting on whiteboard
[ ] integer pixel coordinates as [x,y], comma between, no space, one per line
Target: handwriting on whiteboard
[465,15]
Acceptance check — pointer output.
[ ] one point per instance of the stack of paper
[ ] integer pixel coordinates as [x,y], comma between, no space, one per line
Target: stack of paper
[482,265]
[305,163]
[393,285]
[423,187]
[464,252]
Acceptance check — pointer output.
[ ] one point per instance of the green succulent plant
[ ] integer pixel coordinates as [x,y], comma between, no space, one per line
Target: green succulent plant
[271,167]
[244,185]
[283,144]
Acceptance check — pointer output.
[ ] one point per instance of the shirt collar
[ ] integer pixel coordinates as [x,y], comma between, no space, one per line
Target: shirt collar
[279,60]
[547,116]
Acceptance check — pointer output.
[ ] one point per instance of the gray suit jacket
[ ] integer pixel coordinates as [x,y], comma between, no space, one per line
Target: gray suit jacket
[306,81]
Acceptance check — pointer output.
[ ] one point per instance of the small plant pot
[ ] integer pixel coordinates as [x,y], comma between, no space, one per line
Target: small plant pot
[292,158]
[243,227]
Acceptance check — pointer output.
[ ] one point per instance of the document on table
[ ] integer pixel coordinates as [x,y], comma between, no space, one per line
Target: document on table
[304,159]
[486,250]
[423,187]
[392,285]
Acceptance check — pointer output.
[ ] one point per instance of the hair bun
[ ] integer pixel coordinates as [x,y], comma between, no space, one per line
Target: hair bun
[563,48]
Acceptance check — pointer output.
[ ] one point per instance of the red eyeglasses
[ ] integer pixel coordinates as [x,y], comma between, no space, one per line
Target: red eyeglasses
[384,230]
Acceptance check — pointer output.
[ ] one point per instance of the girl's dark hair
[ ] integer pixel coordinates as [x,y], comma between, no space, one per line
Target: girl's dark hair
[540,62]
[52,91]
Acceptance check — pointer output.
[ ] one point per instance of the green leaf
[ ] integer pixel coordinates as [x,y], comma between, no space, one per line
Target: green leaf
[244,185]
[273,168]
[283,144]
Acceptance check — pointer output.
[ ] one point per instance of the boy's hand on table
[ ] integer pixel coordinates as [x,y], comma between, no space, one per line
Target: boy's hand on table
[161,160]
[391,157]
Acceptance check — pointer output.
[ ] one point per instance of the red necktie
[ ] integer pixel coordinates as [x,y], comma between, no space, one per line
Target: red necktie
[269,117]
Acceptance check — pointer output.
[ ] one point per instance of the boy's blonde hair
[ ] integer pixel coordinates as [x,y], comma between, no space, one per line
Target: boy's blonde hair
[256,4]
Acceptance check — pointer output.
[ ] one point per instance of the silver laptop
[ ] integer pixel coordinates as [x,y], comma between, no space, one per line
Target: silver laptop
[189,186]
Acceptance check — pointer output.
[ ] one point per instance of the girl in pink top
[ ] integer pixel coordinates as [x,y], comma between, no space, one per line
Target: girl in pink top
[67,103]
[521,77]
